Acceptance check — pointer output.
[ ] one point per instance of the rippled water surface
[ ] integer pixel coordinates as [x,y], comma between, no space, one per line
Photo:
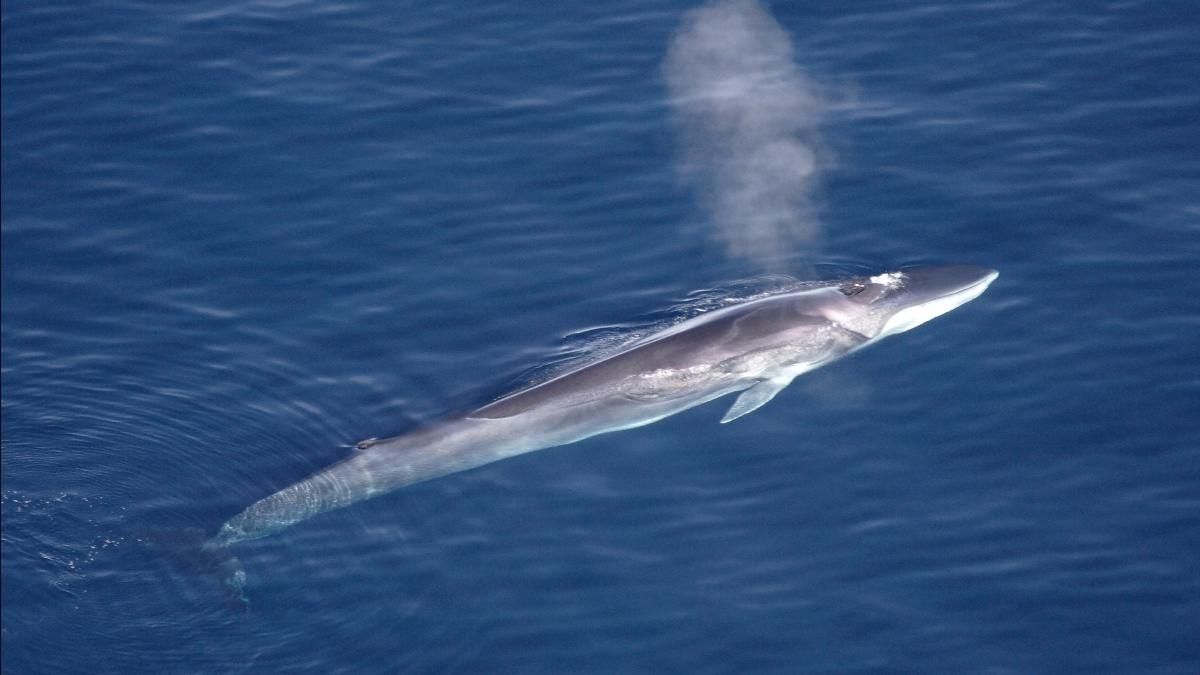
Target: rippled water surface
[239,237]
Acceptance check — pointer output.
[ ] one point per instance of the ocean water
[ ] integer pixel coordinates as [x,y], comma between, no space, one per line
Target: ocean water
[239,237]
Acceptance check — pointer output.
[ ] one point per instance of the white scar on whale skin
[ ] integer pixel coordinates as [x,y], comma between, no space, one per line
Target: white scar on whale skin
[756,347]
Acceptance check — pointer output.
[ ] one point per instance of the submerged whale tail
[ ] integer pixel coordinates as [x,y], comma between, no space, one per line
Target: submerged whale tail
[229,570]
[193,552]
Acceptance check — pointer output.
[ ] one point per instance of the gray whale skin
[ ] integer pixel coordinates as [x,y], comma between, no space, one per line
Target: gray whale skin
[756,347]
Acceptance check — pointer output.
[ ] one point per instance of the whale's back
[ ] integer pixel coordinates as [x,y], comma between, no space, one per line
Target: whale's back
[704,340]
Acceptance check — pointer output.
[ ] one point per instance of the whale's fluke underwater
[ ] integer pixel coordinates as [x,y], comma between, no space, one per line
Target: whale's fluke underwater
[755,348]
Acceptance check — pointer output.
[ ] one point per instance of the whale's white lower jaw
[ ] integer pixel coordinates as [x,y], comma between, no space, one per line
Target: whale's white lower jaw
[911,317]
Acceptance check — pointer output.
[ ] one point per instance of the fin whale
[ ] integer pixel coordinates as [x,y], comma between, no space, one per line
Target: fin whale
[756,348]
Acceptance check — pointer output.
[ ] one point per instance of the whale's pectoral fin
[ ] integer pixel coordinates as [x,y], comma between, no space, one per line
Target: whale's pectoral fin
[753,398]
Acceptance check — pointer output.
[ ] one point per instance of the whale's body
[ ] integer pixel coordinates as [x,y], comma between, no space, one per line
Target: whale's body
[757,348]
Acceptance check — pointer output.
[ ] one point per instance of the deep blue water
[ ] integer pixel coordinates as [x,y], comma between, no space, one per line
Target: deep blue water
[239,237]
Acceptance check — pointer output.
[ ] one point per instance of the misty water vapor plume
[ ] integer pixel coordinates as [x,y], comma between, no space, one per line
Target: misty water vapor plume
[747,118]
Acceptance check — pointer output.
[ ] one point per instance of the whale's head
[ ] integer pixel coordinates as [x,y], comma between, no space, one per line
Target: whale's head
[893,302]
